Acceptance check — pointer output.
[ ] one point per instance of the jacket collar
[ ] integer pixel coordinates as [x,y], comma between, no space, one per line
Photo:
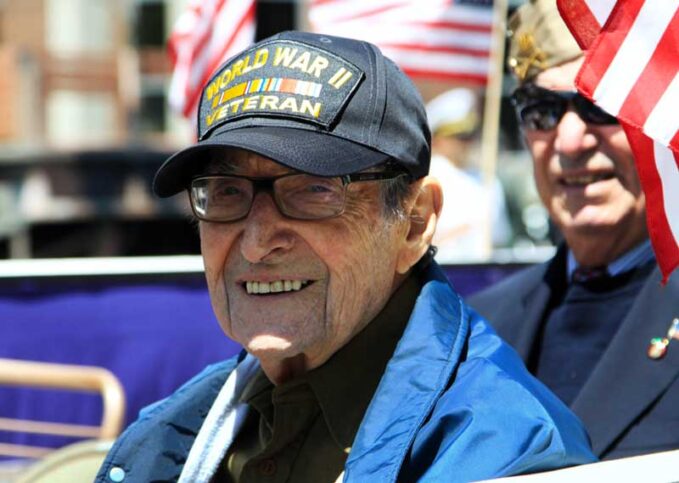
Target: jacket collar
[417,374]
[546,290]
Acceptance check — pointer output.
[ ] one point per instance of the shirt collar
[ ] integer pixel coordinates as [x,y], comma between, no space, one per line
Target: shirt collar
[346,383]
[637,256]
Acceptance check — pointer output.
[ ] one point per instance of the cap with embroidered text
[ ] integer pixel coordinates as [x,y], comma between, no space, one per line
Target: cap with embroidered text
[318,104]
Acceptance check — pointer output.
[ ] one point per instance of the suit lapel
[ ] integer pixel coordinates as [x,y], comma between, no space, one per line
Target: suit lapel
[535,302]
[626,380]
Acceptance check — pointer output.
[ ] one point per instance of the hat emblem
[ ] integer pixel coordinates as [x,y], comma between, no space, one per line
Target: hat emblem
[527,56]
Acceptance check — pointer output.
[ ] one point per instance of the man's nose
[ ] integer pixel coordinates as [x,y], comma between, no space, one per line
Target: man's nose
[573,135]
[266,234]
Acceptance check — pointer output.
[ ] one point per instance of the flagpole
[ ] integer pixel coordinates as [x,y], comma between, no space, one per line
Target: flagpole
[491,112]
[302,15]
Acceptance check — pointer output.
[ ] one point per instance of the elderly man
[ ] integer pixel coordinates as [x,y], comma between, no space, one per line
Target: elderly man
[309,181]
[586,322]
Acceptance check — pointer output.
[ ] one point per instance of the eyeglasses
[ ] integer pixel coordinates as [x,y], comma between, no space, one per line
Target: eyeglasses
[223,198]
[541,109]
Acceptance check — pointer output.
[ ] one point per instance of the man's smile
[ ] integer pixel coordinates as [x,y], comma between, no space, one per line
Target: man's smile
[580,180]
[276,286]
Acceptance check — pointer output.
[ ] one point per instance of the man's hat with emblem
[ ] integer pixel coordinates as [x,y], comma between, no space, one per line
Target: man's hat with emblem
[318,104]
[539,39]
[453,113]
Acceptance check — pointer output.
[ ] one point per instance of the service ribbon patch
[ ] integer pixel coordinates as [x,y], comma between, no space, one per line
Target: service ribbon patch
[280,78]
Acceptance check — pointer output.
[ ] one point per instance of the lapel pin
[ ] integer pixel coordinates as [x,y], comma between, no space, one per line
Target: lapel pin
[658,346]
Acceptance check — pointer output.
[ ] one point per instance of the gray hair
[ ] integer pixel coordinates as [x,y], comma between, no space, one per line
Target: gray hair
[393,194]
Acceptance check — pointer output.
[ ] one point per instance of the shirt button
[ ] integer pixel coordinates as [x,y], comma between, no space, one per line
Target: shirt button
[267,467]
[116,474]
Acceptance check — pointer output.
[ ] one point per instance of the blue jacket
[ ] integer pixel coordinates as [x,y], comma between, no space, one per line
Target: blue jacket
[455,404]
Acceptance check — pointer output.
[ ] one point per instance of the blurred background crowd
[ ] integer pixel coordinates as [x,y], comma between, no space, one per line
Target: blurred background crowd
[85,122]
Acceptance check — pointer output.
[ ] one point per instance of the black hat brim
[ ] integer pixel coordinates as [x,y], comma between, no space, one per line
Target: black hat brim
[313,152]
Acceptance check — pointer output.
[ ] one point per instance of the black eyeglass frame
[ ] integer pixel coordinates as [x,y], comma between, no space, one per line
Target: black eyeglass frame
[266,184]
[531,96]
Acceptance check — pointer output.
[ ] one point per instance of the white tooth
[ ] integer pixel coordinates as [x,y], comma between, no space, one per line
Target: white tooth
[255,287]
[248,287]
[277,286]
[287,285]
[296,284]
[264,287]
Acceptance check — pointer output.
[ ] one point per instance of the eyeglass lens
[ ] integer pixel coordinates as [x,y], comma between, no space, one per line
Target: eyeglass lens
[300,196]
[542,109]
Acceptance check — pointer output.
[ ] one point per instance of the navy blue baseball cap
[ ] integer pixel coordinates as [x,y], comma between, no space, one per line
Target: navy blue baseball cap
[318,104]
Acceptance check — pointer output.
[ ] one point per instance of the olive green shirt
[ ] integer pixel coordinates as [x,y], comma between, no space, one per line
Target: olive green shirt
[302,430]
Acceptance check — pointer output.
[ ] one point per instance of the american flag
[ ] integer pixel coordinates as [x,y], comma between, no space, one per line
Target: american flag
[631,69]
[436,39]
[204,36]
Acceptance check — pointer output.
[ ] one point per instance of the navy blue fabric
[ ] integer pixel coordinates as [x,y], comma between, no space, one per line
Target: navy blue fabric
[472,278]
[152,336]
[578,331]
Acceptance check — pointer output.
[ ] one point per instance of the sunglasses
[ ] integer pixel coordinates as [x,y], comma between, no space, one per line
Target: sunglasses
[541,109]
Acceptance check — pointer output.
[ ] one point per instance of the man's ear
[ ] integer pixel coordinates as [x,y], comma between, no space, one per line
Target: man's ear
[423,211]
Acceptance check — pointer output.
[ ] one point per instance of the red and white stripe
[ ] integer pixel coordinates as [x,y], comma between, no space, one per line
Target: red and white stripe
[659,174]
[589,16]
[631,69]
[204,36]
[426,38]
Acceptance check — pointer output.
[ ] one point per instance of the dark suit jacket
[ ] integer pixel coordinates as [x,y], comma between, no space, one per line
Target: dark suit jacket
[630,403]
